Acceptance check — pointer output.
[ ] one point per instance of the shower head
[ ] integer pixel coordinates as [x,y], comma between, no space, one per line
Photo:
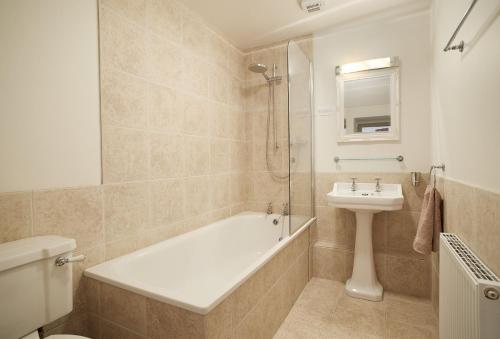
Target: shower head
[258,68]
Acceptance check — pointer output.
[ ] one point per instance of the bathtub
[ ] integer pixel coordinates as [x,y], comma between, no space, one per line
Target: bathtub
[196,271]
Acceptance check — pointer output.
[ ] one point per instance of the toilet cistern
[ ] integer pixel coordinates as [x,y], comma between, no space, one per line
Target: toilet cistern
[365,199]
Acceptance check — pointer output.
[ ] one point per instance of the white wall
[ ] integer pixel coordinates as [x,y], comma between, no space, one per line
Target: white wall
[406,37]
[466,93]
[49,94]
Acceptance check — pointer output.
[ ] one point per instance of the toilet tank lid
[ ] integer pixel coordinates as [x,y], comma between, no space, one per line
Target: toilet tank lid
[24,251]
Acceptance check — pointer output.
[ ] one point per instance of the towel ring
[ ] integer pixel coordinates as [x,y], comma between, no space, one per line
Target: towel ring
[434,168]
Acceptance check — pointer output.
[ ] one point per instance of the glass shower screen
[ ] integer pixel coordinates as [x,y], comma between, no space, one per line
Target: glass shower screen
[300,115]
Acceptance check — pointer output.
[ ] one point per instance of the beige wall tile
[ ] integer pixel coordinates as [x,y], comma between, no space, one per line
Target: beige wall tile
[265,188]
[134,10]
[195,34]
[167,156]
[237,123]
[259,162]
[15,216]
[250,327]
[93,256]
[487,205]
[323,184]
[122,246]
[195,75]
[219,156]
[110,330]
[218,49]
[125,155]
[167,321]
[336,226]
[167,202]
[165,109]
[162,60]
[401,231]
[197,155]
[123,44]
[239,151]
[197,118]
[123,308]
[74,213]
[123,100]
[220,320]
[220,114]
[219,190]
[164,17]
[408,276]
[93,294]
[197,195]
[239,187]
[126,210]
[328,263]
[218,84]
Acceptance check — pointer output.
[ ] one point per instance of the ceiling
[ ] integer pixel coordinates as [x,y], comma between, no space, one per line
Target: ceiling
[251,23]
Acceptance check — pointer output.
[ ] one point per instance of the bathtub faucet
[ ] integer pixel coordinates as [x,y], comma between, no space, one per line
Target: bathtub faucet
[285,212]
[285,209]
[269,208]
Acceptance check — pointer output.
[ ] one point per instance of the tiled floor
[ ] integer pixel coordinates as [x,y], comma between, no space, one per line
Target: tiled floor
[323,310]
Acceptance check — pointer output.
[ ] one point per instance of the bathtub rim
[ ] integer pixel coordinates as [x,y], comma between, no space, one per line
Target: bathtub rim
[154,293]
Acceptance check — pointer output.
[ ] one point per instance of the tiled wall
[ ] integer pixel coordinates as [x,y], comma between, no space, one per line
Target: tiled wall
[399,268]
[474,215]
[254,310]
[265,187]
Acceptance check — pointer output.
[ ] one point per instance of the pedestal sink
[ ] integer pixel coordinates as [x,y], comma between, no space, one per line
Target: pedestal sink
[365,199]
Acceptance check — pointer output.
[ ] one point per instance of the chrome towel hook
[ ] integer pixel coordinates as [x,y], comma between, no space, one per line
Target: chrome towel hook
[434,168]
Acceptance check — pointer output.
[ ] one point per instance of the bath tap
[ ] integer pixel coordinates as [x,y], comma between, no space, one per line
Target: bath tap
[285,209]
[269,208]
[285,212]
[378,187]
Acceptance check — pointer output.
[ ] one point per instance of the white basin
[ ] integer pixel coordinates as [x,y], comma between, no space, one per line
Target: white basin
[390,198]
[365,201]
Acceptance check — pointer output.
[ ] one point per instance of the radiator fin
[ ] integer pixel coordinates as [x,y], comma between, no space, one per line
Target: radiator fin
[469,259]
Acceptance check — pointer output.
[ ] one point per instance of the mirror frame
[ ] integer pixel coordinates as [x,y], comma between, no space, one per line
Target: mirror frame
[394,133]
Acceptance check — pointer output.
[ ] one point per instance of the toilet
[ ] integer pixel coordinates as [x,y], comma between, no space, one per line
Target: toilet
[34,289]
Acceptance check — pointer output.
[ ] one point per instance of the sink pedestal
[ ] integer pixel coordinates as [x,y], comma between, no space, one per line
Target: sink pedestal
[363,283]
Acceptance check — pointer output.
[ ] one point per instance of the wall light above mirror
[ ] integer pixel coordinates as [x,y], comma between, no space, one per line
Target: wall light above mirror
[368,100]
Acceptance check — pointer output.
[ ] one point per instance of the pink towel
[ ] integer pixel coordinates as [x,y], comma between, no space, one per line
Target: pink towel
[429,225]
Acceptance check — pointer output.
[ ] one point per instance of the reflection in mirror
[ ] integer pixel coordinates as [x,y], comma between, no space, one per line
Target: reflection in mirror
[367,105]
[368,101]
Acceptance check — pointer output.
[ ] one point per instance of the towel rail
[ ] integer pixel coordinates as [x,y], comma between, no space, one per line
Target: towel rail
[460,46]
[399,158]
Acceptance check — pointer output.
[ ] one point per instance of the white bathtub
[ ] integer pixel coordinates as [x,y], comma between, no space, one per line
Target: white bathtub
[197,270]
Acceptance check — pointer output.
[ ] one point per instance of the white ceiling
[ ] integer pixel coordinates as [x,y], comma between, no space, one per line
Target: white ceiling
[252,23]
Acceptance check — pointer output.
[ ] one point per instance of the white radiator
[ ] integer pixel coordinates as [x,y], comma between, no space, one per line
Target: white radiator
[469,304]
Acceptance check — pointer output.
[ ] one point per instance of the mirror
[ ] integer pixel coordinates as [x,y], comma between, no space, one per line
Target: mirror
[368,101]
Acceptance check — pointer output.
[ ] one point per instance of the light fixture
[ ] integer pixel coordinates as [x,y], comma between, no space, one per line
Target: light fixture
[367,65]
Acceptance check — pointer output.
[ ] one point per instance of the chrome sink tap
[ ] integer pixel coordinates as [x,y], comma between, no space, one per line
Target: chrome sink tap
[378,187]
[354,187]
